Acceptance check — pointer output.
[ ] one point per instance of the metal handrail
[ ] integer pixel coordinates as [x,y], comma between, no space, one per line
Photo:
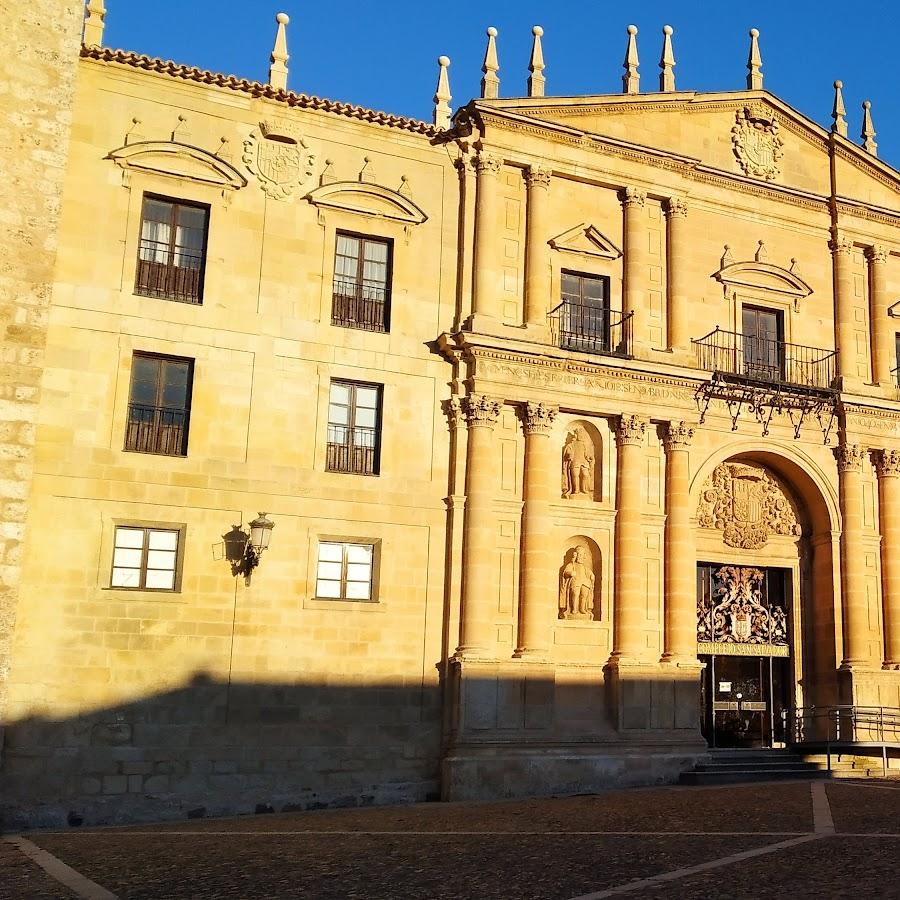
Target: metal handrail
[588,328]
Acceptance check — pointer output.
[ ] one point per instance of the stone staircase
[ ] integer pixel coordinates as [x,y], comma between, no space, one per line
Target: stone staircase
[734,766]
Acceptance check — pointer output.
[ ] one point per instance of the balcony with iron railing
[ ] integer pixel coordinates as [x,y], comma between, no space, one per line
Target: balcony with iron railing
[157,429]
[352,449]
[587,328]
[179,278]
[759,361]
[360,305]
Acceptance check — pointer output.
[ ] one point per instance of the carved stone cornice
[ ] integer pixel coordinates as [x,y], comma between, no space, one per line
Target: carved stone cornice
[630,431]
[488,163]
[538,177]
[481,410]
[538,418]
[676,208]
[887,463]
[849,457]
[877,254]
[678,436]
[633,196]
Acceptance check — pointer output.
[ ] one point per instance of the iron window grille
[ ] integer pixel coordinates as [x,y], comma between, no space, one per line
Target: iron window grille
[172,250]
[584,322]
[361,290]
[354,428]
[159,405]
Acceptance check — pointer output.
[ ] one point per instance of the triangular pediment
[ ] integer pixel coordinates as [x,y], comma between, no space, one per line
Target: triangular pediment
[587,240]
[179,161]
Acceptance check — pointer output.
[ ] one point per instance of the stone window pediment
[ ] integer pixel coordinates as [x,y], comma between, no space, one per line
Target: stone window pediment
[587,240]
[179,161]
[363,198]
[762,276]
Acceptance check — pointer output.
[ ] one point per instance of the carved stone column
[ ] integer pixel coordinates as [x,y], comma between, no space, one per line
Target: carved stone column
[888,466]
[677,253]
[538,589]
[883,340]
[853,576]
[636,262]
[680,565]
[537,251]
[486,258]
[841,252]
[630,600]
[479,562]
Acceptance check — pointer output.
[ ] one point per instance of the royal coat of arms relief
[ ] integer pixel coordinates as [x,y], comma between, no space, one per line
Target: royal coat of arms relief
[747,505]
[280,157]
[756,142]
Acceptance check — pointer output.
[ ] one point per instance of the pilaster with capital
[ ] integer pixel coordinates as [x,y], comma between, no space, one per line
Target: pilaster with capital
[887,464]
[883,332]
[479,558]
[636,260]
[680,577]
[537,250]
[676,275]
[841,253]
[630,602]
[485,293]
[538,585]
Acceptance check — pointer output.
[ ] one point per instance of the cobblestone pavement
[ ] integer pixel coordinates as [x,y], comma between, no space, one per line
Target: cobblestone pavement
[550,849]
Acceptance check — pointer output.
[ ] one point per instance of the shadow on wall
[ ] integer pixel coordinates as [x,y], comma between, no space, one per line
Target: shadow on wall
[213,748]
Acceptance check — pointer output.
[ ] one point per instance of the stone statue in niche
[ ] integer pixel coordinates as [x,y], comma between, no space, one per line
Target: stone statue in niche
[578,464]
[576,589]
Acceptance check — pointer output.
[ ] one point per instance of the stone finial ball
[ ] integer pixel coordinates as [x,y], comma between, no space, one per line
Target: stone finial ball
[443,60]
[537,31]
[632,29]
[492,32]
[282,18]
[839,84]
[667,29]
[867,104]
[754,32]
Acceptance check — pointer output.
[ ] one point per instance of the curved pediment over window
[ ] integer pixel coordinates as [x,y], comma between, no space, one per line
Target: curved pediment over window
[366,199]
[179,161]
[763,276]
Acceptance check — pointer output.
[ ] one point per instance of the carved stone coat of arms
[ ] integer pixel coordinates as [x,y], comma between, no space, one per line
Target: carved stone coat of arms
[279,157]
[756,142]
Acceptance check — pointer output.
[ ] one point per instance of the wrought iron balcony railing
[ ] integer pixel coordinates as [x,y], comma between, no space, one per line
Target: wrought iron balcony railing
[355,305]
[177,276]
[157,429]
[587,328]
[352,449]
[763,361]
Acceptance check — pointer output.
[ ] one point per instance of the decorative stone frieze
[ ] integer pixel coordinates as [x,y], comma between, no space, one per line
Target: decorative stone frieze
[481,410]
[630,430]
[678,436]
[887,462]
[849,457]
[538,418]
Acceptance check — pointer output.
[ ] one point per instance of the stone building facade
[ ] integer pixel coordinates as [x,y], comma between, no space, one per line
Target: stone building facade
[577,419]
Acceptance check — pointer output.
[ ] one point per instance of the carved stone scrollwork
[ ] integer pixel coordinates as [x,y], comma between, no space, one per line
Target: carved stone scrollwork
[877,254]
[747,505]
[888,463]
[631,430]
[481,410]
[538,176]
[577,584]
[756,142]
[538,418]
[487,164]
[676,207]
[849,457]
[632,196]
[678,436]
[454,411]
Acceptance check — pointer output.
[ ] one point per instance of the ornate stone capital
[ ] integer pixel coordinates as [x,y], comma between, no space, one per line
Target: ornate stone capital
[887,462]
[487,163]
[538,176]
[849,457]
[877,253]
[481,410]
[454,411]
[630,430]
[631,196]
[678,436]
[676,207]
[538,418]
[839,243]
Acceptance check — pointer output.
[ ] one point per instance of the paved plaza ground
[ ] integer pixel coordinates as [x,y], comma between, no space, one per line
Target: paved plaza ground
[793,839]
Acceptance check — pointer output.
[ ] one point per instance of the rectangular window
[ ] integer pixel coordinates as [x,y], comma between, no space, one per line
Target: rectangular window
[763,343]
[585,314]
[172,250]
[159,406]
[354,426]
[344,571]
[146,559]
[362,271]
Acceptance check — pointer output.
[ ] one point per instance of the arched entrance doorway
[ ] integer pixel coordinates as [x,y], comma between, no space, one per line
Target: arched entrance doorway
[766,619]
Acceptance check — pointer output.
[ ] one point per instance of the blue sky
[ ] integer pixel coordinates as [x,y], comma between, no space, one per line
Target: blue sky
[383,55]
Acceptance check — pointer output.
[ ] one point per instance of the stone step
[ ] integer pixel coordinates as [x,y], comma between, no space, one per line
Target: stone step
[717,766]
[732,776]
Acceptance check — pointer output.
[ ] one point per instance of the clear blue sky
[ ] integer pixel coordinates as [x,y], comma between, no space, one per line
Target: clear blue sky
[383,55]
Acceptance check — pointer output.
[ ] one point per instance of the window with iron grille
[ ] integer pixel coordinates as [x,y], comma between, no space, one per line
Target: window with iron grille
[172,250]
[585,313]
[354,425]
[159,405]
[344,571]
[362,272]
[146,558]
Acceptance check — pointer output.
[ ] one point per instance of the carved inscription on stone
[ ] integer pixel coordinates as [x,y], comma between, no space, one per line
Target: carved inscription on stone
[747,505]
[576,587]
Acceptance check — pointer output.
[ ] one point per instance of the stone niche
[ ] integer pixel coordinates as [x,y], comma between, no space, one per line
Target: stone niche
[582,456]
[579,581]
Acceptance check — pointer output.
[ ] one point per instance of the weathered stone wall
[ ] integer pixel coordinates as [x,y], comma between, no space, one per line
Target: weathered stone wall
[37,79]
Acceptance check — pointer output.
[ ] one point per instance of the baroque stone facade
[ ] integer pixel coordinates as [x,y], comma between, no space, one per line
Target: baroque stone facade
[558,407]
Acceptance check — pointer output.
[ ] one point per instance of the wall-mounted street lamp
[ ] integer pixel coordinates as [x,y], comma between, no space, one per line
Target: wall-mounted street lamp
[244,550]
